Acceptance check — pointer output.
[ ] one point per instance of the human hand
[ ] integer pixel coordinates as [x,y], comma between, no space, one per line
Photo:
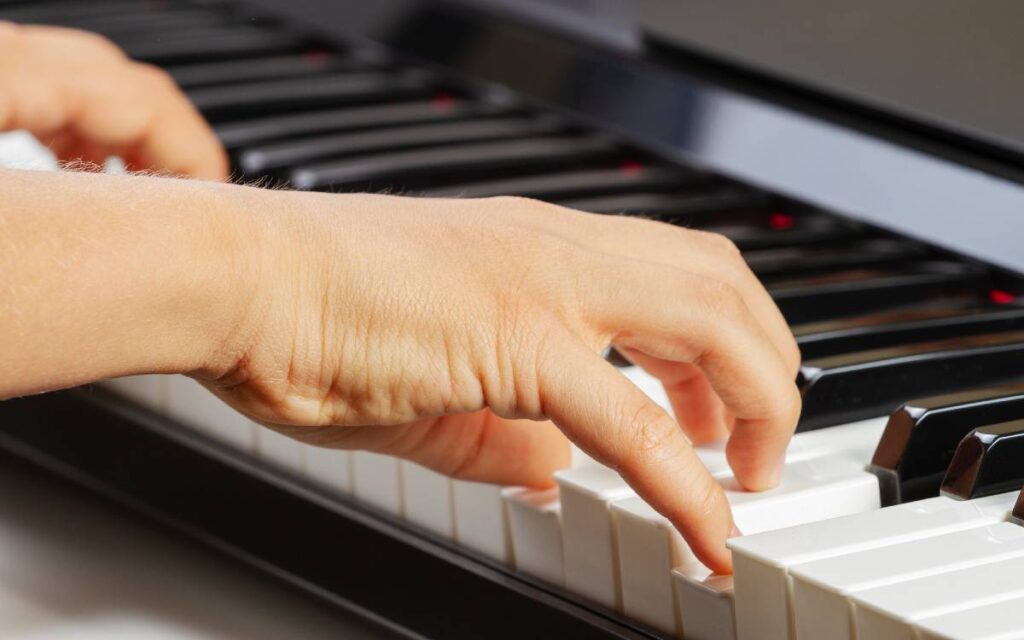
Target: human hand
[82,97]
[446,331]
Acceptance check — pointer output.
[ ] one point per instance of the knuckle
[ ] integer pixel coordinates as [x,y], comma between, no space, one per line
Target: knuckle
[720,298]
[654,436]
[154,75]
[102,44]
[720,243]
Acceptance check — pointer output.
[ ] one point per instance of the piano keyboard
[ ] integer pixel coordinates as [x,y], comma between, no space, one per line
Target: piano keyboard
[895,515]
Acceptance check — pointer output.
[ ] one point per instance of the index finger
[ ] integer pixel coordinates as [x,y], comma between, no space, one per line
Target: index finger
[616,423]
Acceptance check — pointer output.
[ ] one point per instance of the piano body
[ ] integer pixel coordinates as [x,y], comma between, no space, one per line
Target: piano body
[874,184]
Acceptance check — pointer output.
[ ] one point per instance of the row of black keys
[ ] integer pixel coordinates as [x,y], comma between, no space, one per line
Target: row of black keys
[290,109]
[965,445]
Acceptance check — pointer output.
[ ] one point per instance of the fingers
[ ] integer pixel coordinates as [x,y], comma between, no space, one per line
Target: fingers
[680,317]
[699,410]
[79,90]
[611,419]
[478,446]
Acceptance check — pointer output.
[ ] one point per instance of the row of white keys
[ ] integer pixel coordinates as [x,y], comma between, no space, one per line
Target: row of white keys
[535,522]
[427,499]
[147,390]
[481,520]
[995,621]
[377,481]
[890,612]
[761,563]
[591,565]
[192,404]
[650,547]
[831,486]
[821,590]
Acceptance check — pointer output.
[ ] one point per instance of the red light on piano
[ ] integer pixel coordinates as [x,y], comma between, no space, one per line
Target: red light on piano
[631,167]
[317,57]
[781,221]
[443,101]
[999,296]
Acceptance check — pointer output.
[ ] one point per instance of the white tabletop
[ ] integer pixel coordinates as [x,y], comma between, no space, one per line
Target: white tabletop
[75,567]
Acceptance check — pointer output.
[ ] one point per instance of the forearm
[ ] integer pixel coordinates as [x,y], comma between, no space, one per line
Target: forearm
[113,275]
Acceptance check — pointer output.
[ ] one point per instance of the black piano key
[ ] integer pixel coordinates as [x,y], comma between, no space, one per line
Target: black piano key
[574,184]
[869,384]
[711,205]
[131,24]
[944,323]
[987,462]
[282,155]
[234,71]
[269,96]
[921,436]
[414,169]
[778,230]
[179,47]
[795,261]
[246,133]
[856,292]
[61,11]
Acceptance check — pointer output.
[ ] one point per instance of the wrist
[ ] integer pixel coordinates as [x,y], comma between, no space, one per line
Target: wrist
[229,249]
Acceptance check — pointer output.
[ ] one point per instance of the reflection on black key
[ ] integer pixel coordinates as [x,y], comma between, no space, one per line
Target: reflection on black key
[572,184]
[904,328]
[703,207]
[255,98]
[988,461]
[797,261]
[131,24]
[861,291]
[185,46]
[867,384]
[61,11]
[784,230]
[413,168]
[254,131]
[282,155]
[922,435]
[234,71]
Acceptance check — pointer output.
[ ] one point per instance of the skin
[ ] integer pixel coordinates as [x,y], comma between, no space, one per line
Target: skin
[463,335]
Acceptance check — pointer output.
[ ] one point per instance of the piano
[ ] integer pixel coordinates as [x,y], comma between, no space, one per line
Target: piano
[868,168]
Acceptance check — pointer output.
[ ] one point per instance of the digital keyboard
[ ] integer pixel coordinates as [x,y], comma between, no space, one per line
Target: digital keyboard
[898,512]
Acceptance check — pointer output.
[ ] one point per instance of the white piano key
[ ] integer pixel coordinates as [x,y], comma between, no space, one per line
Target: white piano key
[650,386]
[378,481]
[21,150]
[704,601]
[427,497]
[591,560]
[761,562]
[481,520]
[821,589]
[191,403]
[330,468]
[591,564]
[147,390]
[890,612]
[996,621]
[650,547]
[535,521]
[280,450]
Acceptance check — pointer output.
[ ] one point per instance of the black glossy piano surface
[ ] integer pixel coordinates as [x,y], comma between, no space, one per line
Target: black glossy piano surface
[425,99]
